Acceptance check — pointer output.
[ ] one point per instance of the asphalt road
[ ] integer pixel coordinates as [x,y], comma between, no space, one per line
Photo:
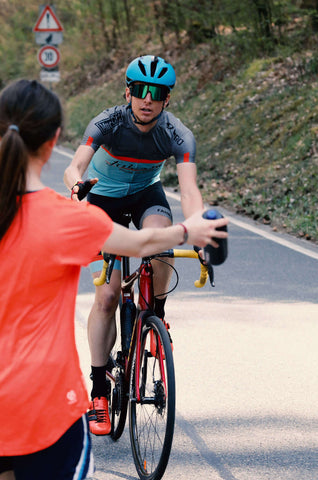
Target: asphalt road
[245,356]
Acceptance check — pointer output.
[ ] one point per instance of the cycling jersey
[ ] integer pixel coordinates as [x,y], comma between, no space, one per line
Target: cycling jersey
[128,160]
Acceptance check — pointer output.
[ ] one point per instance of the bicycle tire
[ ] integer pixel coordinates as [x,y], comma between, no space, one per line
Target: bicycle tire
[118,403]
[151,421]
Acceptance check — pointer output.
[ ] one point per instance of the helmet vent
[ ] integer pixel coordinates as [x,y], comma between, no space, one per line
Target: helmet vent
[142,68]
[153,66]
[163,71]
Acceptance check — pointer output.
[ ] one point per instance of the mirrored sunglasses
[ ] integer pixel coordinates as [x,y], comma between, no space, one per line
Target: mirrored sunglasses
[158,92]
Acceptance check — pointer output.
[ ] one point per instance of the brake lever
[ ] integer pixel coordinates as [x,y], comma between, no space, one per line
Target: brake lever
[110,260]
[211,274]
[206,264]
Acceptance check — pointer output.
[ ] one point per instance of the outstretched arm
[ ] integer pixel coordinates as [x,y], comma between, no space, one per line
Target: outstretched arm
[148,241]
[191,199]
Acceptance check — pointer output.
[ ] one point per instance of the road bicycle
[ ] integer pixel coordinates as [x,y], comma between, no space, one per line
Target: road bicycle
[141,370]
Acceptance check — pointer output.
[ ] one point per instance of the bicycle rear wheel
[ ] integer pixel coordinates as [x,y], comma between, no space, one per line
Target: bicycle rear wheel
[151,419]
[119,402]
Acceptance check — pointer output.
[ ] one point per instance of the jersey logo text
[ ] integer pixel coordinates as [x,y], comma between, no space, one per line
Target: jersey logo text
[107,125]
[175,136]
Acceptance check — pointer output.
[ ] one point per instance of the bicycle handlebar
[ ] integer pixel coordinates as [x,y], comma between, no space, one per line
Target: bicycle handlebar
[108,265]
[205,273]
[102,278]
[206,270]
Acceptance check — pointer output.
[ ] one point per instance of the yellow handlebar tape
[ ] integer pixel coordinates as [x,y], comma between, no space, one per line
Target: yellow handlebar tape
[192,254]
[102,278]
[203,277]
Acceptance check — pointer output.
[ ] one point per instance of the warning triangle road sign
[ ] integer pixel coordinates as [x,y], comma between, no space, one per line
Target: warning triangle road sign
[48,21]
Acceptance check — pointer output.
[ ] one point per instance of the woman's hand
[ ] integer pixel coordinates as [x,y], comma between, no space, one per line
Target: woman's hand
[203,232]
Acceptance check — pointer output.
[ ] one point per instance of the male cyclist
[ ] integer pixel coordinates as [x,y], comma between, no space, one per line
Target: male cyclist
[124,149]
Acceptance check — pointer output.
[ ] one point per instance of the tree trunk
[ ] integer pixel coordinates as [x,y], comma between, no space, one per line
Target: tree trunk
[264,13]
[102,21]
[127,13]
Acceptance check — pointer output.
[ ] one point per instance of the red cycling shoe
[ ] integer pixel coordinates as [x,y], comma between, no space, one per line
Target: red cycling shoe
[98,416]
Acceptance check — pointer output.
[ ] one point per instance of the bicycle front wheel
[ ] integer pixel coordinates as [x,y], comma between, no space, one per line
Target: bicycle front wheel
[152,415]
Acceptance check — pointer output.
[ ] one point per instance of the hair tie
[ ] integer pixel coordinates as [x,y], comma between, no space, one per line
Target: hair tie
[14,127]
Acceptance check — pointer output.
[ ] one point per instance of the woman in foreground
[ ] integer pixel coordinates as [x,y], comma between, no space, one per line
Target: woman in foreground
[45,238]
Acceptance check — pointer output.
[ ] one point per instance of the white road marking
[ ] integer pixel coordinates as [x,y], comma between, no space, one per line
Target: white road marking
[61,151]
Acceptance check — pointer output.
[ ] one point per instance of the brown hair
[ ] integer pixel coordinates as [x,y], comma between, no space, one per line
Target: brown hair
[30,114]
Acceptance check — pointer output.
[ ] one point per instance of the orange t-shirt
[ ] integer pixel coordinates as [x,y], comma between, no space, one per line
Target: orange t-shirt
[42,390]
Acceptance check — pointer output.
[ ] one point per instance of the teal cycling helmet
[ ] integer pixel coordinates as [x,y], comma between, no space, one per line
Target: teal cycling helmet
[151,69]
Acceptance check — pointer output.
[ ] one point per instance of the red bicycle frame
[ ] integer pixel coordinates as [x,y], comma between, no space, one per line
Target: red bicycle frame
[145,303]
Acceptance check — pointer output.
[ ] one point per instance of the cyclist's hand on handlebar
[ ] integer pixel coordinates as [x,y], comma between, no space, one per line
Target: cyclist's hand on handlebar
[208,266]
[199,251]
[81,189]
[201,230]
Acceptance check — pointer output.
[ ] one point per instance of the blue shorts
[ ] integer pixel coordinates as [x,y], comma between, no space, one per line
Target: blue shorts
[70,458]
[150,201]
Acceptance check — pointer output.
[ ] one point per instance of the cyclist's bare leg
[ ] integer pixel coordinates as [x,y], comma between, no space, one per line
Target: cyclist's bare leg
[101,338]
[162,271]
[101,321]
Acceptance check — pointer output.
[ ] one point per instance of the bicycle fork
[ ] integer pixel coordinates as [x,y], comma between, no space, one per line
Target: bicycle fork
[146,303]
[140,375]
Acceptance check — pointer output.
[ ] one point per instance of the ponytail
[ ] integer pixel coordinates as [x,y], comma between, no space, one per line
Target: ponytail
[30,114]
[13,167]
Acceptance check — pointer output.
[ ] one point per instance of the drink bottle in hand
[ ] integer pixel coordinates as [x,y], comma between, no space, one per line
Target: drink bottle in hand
[212,255]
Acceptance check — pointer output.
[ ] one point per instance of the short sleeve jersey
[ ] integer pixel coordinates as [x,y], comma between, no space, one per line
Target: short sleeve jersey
[42,389]
[128,160]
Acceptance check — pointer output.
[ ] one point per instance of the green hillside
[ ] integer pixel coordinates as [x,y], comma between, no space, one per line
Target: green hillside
[256,132]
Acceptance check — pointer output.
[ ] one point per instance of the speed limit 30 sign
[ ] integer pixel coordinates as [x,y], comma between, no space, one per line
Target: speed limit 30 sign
[49,56]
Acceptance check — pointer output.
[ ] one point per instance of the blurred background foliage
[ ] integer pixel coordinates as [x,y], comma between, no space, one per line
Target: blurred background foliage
[98,30]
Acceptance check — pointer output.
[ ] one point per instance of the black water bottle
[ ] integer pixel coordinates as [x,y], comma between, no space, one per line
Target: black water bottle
[212,255]
[127,319]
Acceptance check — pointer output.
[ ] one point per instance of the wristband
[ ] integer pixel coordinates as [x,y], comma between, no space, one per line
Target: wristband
[185,234]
